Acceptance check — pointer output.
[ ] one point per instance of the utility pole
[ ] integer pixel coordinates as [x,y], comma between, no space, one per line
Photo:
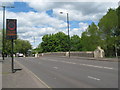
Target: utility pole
[68,33]
[3,32]
[3,36]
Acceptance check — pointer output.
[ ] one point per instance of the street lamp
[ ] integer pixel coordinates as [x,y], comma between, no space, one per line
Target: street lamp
[3,36]
[68,31]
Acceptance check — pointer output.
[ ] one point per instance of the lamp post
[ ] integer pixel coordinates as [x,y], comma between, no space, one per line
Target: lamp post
[3,34]
[68,31]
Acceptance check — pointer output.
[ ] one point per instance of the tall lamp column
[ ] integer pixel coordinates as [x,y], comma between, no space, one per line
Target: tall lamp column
[68,31]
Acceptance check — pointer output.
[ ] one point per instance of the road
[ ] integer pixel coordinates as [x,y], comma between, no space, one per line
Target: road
[62,72]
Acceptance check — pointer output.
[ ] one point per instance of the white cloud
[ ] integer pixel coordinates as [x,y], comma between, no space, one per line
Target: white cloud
[59,0]
[77,10]
[78,31]
[83,26]
[36,24]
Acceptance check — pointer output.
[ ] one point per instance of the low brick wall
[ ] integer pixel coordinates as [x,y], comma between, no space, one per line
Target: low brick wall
[80,54]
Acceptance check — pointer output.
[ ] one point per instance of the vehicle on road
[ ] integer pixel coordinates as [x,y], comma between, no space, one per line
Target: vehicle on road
[20,55]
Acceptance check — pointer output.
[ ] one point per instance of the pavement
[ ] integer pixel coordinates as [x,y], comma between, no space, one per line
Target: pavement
[20,79]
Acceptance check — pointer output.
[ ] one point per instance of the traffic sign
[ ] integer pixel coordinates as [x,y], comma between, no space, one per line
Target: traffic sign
[11,28]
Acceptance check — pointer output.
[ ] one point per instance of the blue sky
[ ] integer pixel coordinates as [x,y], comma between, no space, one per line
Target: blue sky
[36,19]
[21,7]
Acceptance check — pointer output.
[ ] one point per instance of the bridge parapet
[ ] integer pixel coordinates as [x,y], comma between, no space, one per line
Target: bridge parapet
[80,54]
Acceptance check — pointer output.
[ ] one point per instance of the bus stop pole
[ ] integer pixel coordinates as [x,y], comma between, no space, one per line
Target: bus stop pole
[12,65]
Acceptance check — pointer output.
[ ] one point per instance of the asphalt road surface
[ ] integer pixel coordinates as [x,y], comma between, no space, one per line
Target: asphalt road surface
[62,72]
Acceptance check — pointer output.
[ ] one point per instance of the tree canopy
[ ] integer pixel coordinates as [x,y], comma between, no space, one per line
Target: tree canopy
[90,38]
[110,29]
[20,46]
[54,42]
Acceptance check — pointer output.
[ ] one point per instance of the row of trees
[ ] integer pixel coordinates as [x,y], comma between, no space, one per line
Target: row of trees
[106,34]
[20,46]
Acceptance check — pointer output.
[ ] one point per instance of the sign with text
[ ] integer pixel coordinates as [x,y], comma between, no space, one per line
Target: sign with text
[11,28]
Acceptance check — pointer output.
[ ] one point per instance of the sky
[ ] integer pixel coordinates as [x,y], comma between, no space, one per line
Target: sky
[36,18]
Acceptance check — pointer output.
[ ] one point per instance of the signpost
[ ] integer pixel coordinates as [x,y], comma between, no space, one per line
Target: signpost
[11,34]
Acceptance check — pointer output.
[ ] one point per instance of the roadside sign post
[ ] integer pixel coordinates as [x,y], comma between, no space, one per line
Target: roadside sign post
[12,56]
[11,34]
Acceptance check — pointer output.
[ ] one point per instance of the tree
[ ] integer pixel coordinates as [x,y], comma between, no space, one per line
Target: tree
[62,42]
[91,38]
[54,42]
[75,43]
[108,25]
[22,46]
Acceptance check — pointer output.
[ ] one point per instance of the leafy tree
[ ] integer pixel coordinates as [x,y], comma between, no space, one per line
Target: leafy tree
[54,42]
[62,42]
[108,25]
[75,43]
[91,38]
[22,46]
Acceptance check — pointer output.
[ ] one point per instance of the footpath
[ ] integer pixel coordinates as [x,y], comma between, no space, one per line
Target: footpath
[20,79]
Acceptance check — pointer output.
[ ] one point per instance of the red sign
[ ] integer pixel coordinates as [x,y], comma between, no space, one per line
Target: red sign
[11,29]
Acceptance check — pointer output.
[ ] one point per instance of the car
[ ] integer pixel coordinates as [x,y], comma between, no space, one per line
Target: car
[20,55]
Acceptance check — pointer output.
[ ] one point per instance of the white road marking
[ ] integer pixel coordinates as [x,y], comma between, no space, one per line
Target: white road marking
[96,66]
[94,78]
[108,68]
[55,67]
[89,65]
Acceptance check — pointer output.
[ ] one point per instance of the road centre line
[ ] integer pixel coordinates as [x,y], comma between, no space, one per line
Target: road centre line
[89,65]
[108,68]
[94,78]
[55,67]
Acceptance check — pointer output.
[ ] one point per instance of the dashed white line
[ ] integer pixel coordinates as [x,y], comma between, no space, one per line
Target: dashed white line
[55,67]
[108,68]
[83,64]
[94,78]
